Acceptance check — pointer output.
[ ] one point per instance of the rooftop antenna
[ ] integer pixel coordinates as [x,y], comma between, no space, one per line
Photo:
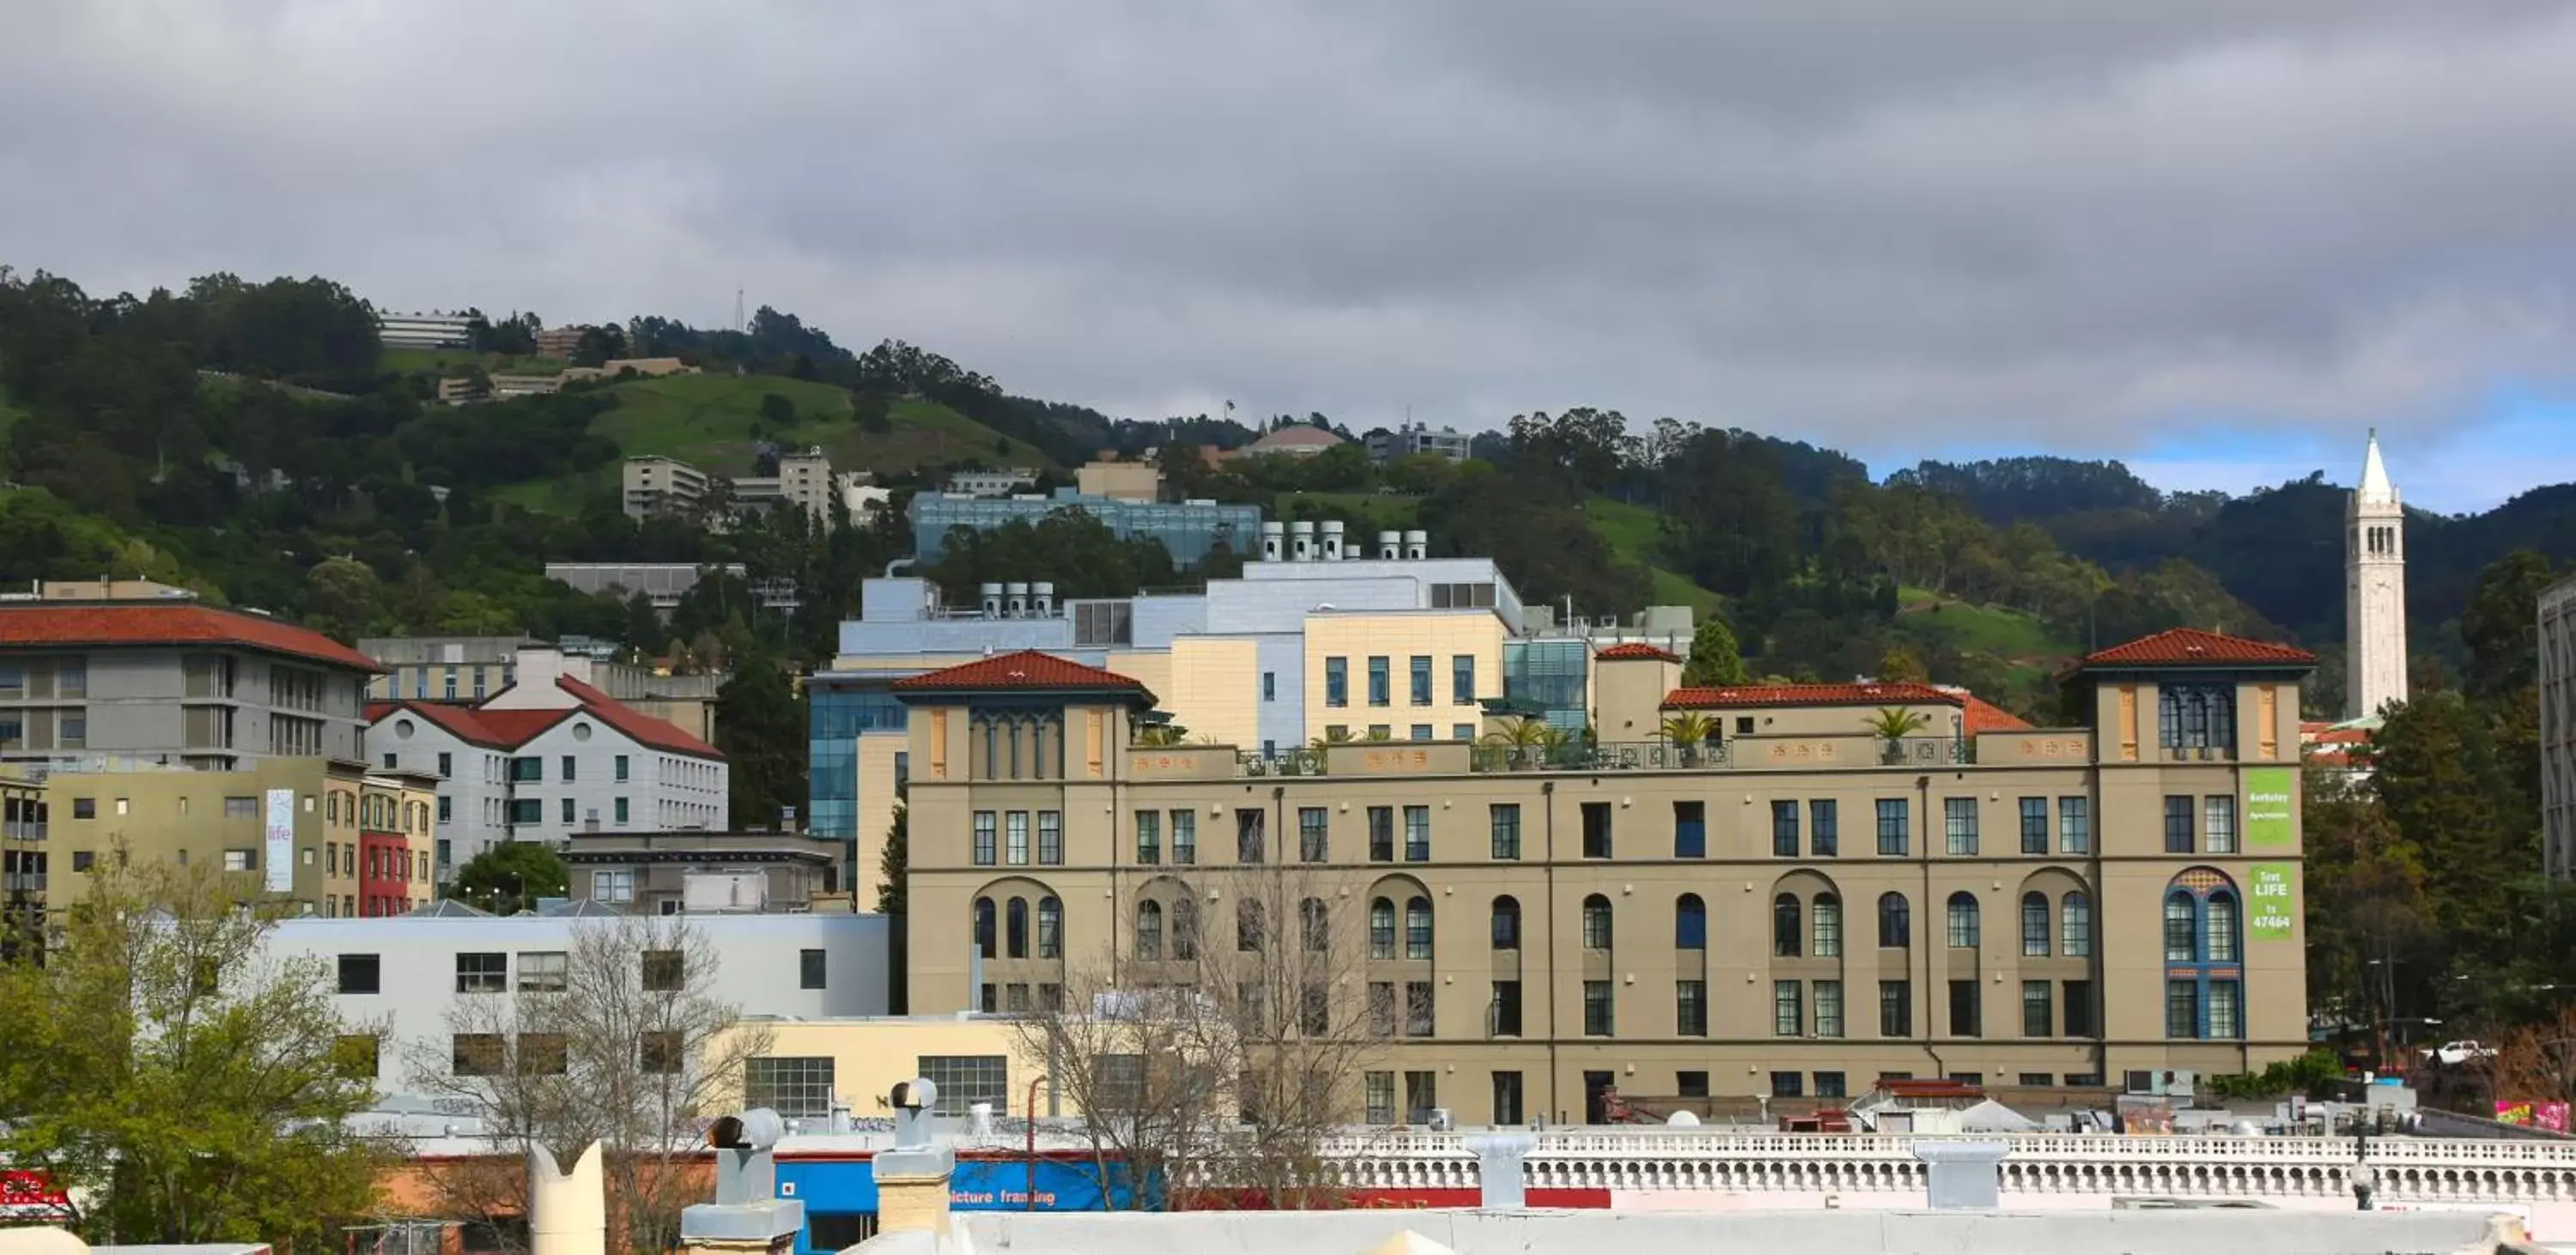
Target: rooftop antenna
[740,323]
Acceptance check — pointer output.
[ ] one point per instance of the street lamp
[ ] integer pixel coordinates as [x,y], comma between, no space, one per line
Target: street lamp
[1031,1115]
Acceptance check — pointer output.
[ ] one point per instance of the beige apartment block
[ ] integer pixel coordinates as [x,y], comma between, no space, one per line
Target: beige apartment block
[1794,906]
[1120,481]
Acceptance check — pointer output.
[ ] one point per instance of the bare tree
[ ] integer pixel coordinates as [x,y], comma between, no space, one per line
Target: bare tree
[2536,1062]
[622,1042]
[1224,1044]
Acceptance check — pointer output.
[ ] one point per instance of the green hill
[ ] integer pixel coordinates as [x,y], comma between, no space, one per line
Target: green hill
[1637,534]
[436,361]
[709,420]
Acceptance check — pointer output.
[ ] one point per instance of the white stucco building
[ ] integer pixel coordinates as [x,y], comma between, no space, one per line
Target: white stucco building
[547,757]
[406,973]
[2374,548]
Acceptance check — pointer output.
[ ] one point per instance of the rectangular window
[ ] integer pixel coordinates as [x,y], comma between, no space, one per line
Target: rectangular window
[1966,1007]
[2038,1018]
[476,1054]
[1690,1007]
[240,860]
[1462,732]
[1051,838]
[1894,824]
[1337,681]
[1380,1090]
[619,771]
[359,1055]
[2182,1008]
[527,810]
[1314,841]
[87,808]
[1421,675]
[2034,825]
[1787,1085]
[1829,1008]
[2178,822]
[1830,1085]
[1270,686]
[2221,827]
[567,809]
[623,815]
[1149,837]
[1417,834]
[1421,732]
[1596,830]
[987,836]
[568,768]
[1381,692]
[527,770]
[1417,1009]
[1507,1098]
[2079,1008]
[1690,830]
[1784,829]
[1693,1084]
[1788,1008]
[1505,818]
[1959,826]
[809,969]
[361,974]
[544,971]
[2224,1010]
[1185,837]
[1381,732]
[234,808]
[1462,679]
[1824,828]
[661,1052]
[664,971]
[1381,834]
[793,1086]
[609,885]
[1251,842]
[482,973]
[1381,1007]
[1895,1008]
[1597,1020]
[1507,1008]
[1015,838]
[2074,825]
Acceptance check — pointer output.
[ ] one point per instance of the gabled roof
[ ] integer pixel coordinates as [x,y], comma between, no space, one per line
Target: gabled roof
[447,908]
[1026,670]
[1637,649]
[495,728]
[2192,647]
[661,734]
[58,625]
[1295,436]
[1985,716]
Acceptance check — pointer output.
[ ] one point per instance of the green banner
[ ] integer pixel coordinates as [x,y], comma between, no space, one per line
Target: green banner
[2270,795]
[2272,911]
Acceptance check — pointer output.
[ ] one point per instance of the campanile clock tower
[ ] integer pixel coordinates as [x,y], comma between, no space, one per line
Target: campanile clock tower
[2374,564]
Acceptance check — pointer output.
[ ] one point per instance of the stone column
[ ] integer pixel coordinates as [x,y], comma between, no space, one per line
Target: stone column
[1964,1175]
[1498,1162]
[912,1189]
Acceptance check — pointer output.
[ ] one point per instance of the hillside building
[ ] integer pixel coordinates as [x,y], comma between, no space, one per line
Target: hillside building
[1189,530]
[1411,438]
[1000,483]
[1120,481]
[1530,927]
[471,668]
[2374,591]
[425,331]
[1296,440]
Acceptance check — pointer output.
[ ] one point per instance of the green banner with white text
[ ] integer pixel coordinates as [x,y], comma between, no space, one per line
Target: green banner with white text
[2270,795]
[2272,906]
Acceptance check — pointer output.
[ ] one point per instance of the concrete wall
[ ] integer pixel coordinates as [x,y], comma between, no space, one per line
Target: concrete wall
[1399,638]
[871,1056]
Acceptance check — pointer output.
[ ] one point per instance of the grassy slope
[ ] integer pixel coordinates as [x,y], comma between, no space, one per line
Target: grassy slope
[706,420]
[438,360]
[9,415]
[1635,532]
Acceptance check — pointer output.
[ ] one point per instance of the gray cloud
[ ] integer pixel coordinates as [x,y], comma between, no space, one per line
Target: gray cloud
[1896,227]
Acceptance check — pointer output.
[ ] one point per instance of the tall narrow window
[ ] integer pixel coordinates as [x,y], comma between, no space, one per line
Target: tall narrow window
[1417,928]
[1015,838]
[2075,925]
[1382,928]
[1249,838]
[2034,825]
[1507,923]
[1015,929]
[1462,679]
[1829,1008]
[1185,837]
[1337,681]
[1314,843]
[1596,922]
[1315,926]
[984,927]
[2038,1017]
[1051,838]
[1893,823]
[1690,1008]
[1381,834]
[2220,833]
[1379,693]
[1417,834]
[2074,825]
[1690,830]
[1505,818]
[1596,830]
[2221,914]
[1963,921]
[2034,925]
[1690,923]
[1149,837]
[1050,928]
[2180,925]
[1827,927]
[1824,828]
[1149,930]
[1786,932]
[1895,1008]
[2178,822]
[1788,1009]
[1784,829]
[1421,675]
[1959,825]
[985,827]
[1895,922]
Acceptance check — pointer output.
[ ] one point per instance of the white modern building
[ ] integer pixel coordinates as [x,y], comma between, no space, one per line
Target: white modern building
[424,331]
[2558,727]
[990,483]
[1412,438]
[409,972]
[548,757]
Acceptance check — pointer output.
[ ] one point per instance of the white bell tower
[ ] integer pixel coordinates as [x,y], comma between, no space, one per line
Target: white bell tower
[2374,565]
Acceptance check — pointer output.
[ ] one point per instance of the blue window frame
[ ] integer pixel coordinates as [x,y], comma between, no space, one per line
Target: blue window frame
[1690,923]
[1379,692]
[1337,681]
[1895,822]
[1421,671]
[1824,828]
[1690,830]
[1462,679]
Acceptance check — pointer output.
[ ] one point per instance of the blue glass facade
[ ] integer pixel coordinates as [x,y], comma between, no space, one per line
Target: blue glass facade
[839,710]
[1551,673]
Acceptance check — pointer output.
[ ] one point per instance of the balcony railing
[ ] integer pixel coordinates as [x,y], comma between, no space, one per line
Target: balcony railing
[1916,751]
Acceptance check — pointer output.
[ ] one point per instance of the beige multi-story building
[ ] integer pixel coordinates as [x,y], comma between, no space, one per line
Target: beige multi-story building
[25,863]
[660,485]
[1794,905]
[1120,481]
[328,834]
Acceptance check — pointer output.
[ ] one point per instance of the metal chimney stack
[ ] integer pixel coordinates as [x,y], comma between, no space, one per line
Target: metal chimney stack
[1274,542]
[1390,545]
[1332,540]
[1017,604]
[1417,546]
[992,596]
[1301,541]
[1042,600]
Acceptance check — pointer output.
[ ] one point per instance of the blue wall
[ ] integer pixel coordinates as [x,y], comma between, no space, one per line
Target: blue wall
[849,1186]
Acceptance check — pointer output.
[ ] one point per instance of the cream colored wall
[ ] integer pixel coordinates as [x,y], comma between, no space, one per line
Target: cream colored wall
[1214,689]
[871,1056]
[876,751]
[1627,694]
[1398,638]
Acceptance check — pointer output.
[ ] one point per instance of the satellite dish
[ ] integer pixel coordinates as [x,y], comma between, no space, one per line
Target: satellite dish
[1683,1120]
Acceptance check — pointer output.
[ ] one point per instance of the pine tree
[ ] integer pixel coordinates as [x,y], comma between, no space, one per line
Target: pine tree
[894,863]
[1714,657]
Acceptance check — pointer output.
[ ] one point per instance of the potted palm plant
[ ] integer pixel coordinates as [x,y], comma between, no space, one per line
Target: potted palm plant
[1891,725]
[1687,732]
[1521,739]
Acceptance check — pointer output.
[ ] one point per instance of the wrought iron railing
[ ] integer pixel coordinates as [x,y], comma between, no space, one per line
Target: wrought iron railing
[1305,762]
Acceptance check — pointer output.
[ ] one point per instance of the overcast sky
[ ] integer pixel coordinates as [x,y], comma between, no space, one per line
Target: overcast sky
[2218,238]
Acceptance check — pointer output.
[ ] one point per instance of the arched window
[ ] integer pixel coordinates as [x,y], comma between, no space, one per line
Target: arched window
[1314,925]
[2034,925]
[1963,920]
[1786,934]
[984,927]
[1507,923]
[1185,928]
[2181,929]
[1417,928]
[1596,922]
[2221,929]
[1690,922]
[1149,930]
[1895,922]
[2075,925]
[1050,928]
[1015,929]
[1827,927]
[1381,929]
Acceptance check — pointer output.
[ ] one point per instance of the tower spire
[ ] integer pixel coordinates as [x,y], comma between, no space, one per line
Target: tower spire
[2374,474]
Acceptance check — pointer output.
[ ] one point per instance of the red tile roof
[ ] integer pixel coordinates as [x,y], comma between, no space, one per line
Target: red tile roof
[1027,669]
[515,727]
[46,626]
[2191,647]
[1985,716]
[1747,695]
[1637,649]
